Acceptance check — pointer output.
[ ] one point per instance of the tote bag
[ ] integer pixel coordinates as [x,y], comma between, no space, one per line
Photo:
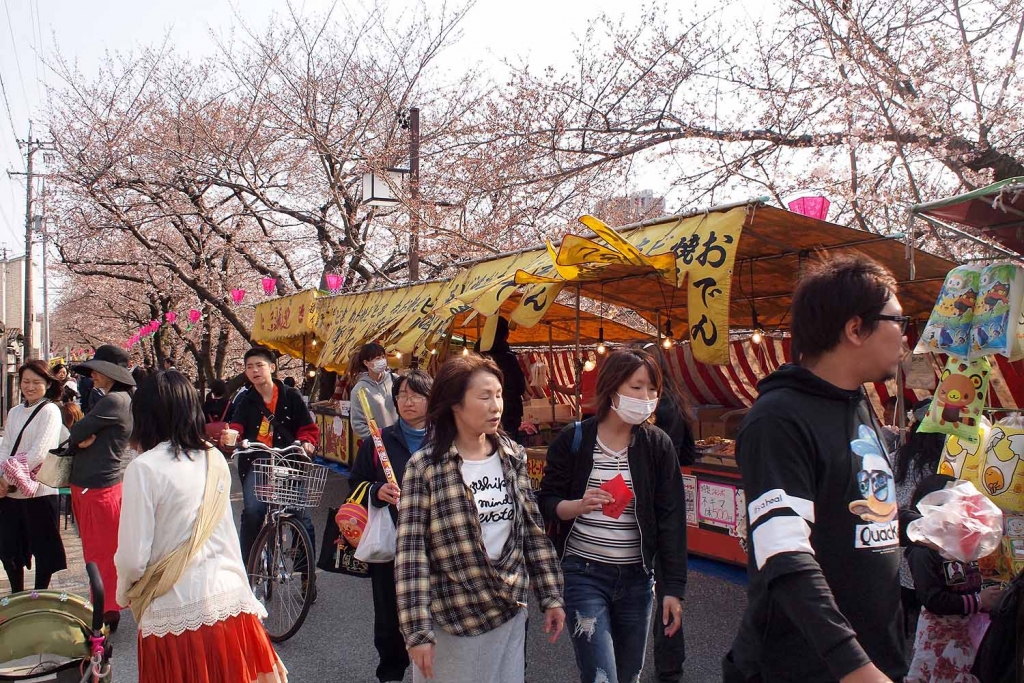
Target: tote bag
[336,556]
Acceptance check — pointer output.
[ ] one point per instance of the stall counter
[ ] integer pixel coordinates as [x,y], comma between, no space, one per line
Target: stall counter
[337,440]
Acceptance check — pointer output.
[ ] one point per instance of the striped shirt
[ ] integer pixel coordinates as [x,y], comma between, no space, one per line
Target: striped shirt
[597,537]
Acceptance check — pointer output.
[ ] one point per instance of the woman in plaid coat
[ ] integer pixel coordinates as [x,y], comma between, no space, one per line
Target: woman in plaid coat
[471,539]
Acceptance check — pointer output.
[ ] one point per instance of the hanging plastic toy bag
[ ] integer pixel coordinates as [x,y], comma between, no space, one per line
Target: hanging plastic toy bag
[949,327]
[959,400]
[960,521]
[961,458]
[1002,473]
[1000,290]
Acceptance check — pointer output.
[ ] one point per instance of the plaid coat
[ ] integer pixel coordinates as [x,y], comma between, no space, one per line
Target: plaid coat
[442,573]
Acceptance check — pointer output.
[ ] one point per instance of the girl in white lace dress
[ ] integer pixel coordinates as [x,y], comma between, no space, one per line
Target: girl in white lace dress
[206,626]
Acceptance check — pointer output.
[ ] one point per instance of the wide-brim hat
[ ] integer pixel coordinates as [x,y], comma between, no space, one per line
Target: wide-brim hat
[111,361]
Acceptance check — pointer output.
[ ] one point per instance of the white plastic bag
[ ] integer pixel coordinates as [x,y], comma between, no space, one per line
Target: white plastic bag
[960,521]
[379,538]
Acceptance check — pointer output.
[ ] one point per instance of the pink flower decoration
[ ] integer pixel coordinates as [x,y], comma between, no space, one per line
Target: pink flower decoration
[815,207]
[237,295]
[171,317]
[334,282]
[269,285]
[194,315]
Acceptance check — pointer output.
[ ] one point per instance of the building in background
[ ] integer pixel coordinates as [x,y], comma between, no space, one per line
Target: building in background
[632,208]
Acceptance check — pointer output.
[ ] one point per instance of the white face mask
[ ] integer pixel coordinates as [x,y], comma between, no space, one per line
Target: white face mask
[634,411]
[379,365]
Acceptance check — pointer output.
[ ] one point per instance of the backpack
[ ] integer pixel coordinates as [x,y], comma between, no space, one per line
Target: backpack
[999,654]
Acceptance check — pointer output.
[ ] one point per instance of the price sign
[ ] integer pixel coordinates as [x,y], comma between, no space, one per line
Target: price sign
[690,486]
[716,504]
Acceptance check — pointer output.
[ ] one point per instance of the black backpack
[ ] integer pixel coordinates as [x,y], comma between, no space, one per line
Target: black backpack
[999,655]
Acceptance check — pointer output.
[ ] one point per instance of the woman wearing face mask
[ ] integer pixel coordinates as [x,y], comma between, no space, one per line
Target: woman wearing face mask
[377,382]
[608,559]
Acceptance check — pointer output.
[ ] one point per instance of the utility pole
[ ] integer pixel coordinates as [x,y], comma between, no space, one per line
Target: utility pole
[414,192]
[32,146]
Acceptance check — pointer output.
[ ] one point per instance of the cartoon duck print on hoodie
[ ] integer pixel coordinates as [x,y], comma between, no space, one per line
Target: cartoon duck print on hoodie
[874,479]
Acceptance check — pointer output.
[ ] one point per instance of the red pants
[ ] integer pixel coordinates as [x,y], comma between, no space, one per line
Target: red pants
[98,515]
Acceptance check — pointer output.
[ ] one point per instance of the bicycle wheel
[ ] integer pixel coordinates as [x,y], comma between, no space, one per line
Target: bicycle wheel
[282,576]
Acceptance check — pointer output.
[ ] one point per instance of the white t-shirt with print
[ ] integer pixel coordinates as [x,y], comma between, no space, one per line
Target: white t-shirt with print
[486,479]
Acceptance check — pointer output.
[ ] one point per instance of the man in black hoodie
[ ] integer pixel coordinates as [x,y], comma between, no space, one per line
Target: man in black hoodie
[824,529]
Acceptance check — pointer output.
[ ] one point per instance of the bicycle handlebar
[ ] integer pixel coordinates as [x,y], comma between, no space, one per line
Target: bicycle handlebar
[252,446]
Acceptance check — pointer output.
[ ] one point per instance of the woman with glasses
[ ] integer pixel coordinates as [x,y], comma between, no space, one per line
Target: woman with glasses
[29,510]
[401,440]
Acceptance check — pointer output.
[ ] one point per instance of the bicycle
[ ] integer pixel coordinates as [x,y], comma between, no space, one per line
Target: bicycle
[281,566]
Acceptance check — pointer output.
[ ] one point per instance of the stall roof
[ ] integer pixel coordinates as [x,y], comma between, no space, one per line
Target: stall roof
[996,211]
[654,268]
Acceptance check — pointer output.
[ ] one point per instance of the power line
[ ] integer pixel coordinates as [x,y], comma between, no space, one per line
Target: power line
[14,50]
[7,105]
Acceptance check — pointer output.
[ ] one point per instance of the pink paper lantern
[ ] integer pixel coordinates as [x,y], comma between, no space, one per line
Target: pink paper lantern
[237,295]
[269,285]
[815,207]
[334,282]
[171,317]
[194,315]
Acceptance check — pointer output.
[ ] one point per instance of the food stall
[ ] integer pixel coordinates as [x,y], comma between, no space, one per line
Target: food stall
[707,283]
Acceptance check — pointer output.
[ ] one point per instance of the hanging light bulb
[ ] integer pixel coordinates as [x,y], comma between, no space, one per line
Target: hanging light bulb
[465,350]
[433,352]
[601,348]
[398,355]
[589,365]
[668,341]
[757,337]
[312,373]
[314,341]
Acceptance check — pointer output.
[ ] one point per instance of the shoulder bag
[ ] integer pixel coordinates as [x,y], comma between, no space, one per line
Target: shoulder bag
[213,429]
[17,443]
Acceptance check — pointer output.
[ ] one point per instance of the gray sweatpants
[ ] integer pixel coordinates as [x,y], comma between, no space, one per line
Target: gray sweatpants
[498,656]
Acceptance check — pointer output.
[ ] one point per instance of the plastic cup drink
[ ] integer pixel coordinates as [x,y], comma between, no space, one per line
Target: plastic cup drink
[229,437]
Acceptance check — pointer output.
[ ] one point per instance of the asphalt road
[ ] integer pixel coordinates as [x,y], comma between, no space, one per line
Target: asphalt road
[335,645]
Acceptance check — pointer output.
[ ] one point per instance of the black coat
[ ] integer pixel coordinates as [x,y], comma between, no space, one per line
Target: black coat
[292,420]
[368,467]
[657,485]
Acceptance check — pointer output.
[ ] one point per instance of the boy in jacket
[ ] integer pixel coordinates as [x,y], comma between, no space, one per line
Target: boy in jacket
[276,416]
[824,528]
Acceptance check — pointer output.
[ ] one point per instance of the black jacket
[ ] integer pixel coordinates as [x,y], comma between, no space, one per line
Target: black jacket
[824,535]
[292,420]
[657,485]
[944,587]
[670,419]
[110,421]
[368,468]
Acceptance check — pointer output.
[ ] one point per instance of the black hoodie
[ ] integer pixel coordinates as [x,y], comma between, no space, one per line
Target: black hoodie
[824,536]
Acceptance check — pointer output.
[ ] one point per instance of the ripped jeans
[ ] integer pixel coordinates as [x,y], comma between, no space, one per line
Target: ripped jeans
[608,613]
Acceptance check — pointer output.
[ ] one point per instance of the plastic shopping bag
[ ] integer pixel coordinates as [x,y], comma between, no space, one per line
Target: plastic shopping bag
[1001,288]
[949,326]
[379,538]
[960,399]
[960,521]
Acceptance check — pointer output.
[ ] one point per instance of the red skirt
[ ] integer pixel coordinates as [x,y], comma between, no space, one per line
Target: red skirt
[98,517]
[235,650]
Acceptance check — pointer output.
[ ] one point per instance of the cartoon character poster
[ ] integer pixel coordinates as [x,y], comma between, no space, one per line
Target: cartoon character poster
[1002,475]
[876,504]
[961,459]
[997,310]
[949,327]
[960,399]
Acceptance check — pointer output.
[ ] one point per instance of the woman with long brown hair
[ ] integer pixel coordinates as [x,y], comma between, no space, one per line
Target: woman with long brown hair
[470,538]
[616,495]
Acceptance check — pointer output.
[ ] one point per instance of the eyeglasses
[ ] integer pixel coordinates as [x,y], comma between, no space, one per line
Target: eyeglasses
[903,320]
[412,398]
[874,481]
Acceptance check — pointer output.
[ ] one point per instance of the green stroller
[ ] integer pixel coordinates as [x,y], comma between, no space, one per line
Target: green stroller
[55,637]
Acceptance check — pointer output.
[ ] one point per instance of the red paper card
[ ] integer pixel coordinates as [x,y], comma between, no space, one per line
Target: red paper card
[620,490]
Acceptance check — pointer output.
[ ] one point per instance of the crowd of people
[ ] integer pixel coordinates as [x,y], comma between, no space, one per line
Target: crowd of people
[602,542]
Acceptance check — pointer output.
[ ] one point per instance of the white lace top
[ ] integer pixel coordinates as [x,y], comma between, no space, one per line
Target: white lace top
[160,503]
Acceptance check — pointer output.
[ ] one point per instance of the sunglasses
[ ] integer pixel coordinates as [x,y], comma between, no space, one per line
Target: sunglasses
[903,320]
[874,481]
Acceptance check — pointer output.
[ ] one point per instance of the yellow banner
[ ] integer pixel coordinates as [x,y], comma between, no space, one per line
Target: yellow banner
[536,301]
[290,316]
[705,250]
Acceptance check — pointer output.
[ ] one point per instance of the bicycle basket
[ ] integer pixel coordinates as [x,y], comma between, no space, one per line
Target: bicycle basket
[291,483]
